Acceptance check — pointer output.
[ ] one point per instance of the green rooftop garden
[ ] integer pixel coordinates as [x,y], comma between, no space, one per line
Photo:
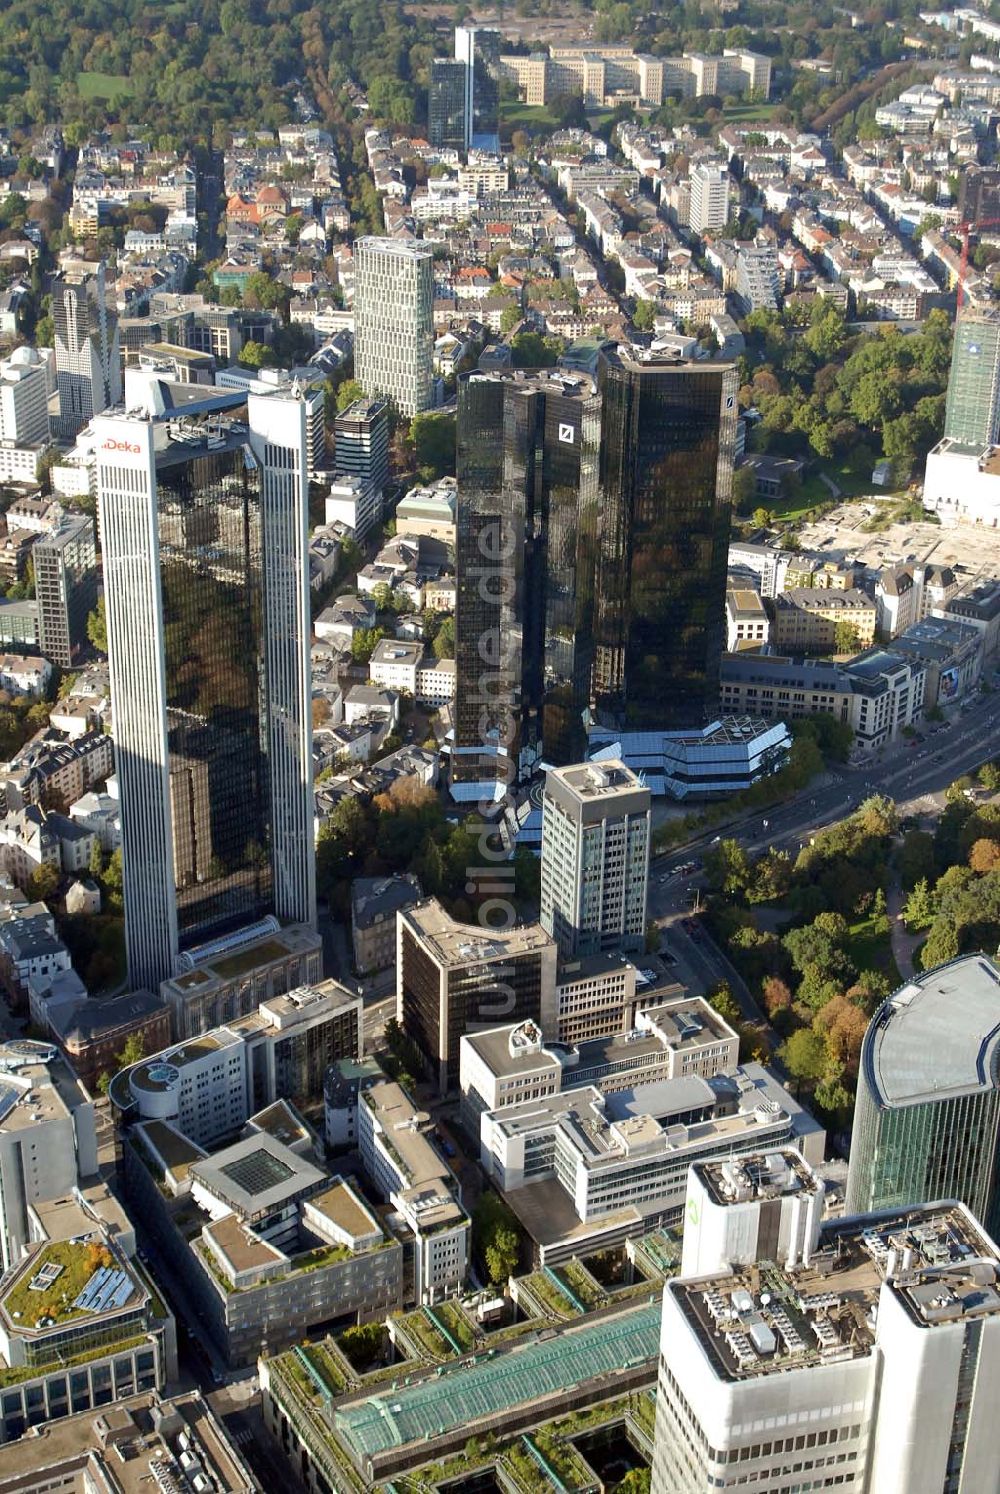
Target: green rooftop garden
[241,961]
[77,1264]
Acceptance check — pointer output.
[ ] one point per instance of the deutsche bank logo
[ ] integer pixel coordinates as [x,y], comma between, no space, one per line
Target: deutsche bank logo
[566,434]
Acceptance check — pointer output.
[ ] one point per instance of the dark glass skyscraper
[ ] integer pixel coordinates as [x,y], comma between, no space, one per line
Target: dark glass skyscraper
[528,517]
[668,436]
[446,128]
[593,534]
[479,49]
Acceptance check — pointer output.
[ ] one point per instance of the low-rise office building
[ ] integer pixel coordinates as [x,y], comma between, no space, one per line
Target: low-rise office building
[114,1447]
[510,1064]
[977,608]
[597,996]
[725,757]
[209,1085]
[452,977]
[231,976]
[584,1170]
[747,623]
[951,653]
[267,1243]
[80,1327]
[48,1138]
[877,693]
[393,1139]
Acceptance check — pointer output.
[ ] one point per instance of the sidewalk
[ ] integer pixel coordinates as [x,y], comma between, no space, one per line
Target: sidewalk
[904,945]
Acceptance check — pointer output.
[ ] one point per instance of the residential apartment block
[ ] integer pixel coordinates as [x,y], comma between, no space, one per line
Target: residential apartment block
[806,620]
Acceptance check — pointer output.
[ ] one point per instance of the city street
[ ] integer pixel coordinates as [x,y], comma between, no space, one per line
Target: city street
[916,776]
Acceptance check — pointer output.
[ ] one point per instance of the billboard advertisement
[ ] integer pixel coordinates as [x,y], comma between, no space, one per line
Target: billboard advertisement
[948,684]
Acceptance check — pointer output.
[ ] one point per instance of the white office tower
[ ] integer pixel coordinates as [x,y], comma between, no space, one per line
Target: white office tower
[709,196]
[88,360]
[861,1356]
[767,1206]
[394,321]
[203,511]
[25,383]
[595,858]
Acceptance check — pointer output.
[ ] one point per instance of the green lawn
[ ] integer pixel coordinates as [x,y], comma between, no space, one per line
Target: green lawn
[518,116]
[103,85]
[814,491]
[748,113]
[871,951]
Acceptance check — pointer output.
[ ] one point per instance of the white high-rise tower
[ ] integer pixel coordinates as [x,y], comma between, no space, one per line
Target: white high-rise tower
[394,321]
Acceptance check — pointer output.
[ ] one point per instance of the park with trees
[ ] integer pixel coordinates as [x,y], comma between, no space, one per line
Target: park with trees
[811,935]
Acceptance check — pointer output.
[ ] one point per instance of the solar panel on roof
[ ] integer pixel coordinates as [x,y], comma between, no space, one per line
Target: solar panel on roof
[122,1295]
[93,1286]
[9,1097]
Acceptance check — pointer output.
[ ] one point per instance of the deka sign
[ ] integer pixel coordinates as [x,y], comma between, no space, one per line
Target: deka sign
[112,445]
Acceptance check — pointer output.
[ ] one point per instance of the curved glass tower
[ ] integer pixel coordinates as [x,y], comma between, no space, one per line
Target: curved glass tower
[927,1113]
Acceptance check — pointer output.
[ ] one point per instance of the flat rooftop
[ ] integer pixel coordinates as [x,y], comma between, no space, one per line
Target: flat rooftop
[160,1072]
[404,1127]
[937,1036]
[244,1250]
[281,1121]
[736,1180]
[177,1152]
[114,1447]
[607,781]
[257,1176]
[503,1056]
[342,1206]
[745,603]
[457,944]
[823,1313]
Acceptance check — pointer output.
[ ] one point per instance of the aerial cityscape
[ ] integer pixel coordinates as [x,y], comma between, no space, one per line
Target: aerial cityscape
[499,773]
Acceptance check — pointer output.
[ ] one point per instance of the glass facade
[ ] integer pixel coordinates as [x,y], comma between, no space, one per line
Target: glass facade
[486,90]
[65,588]
[528,516]
[446,104]
[667,455]
[917,1153]
[972,407]
[212,588]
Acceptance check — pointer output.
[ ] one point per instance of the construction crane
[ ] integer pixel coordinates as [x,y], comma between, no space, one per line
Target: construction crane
[965,229]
